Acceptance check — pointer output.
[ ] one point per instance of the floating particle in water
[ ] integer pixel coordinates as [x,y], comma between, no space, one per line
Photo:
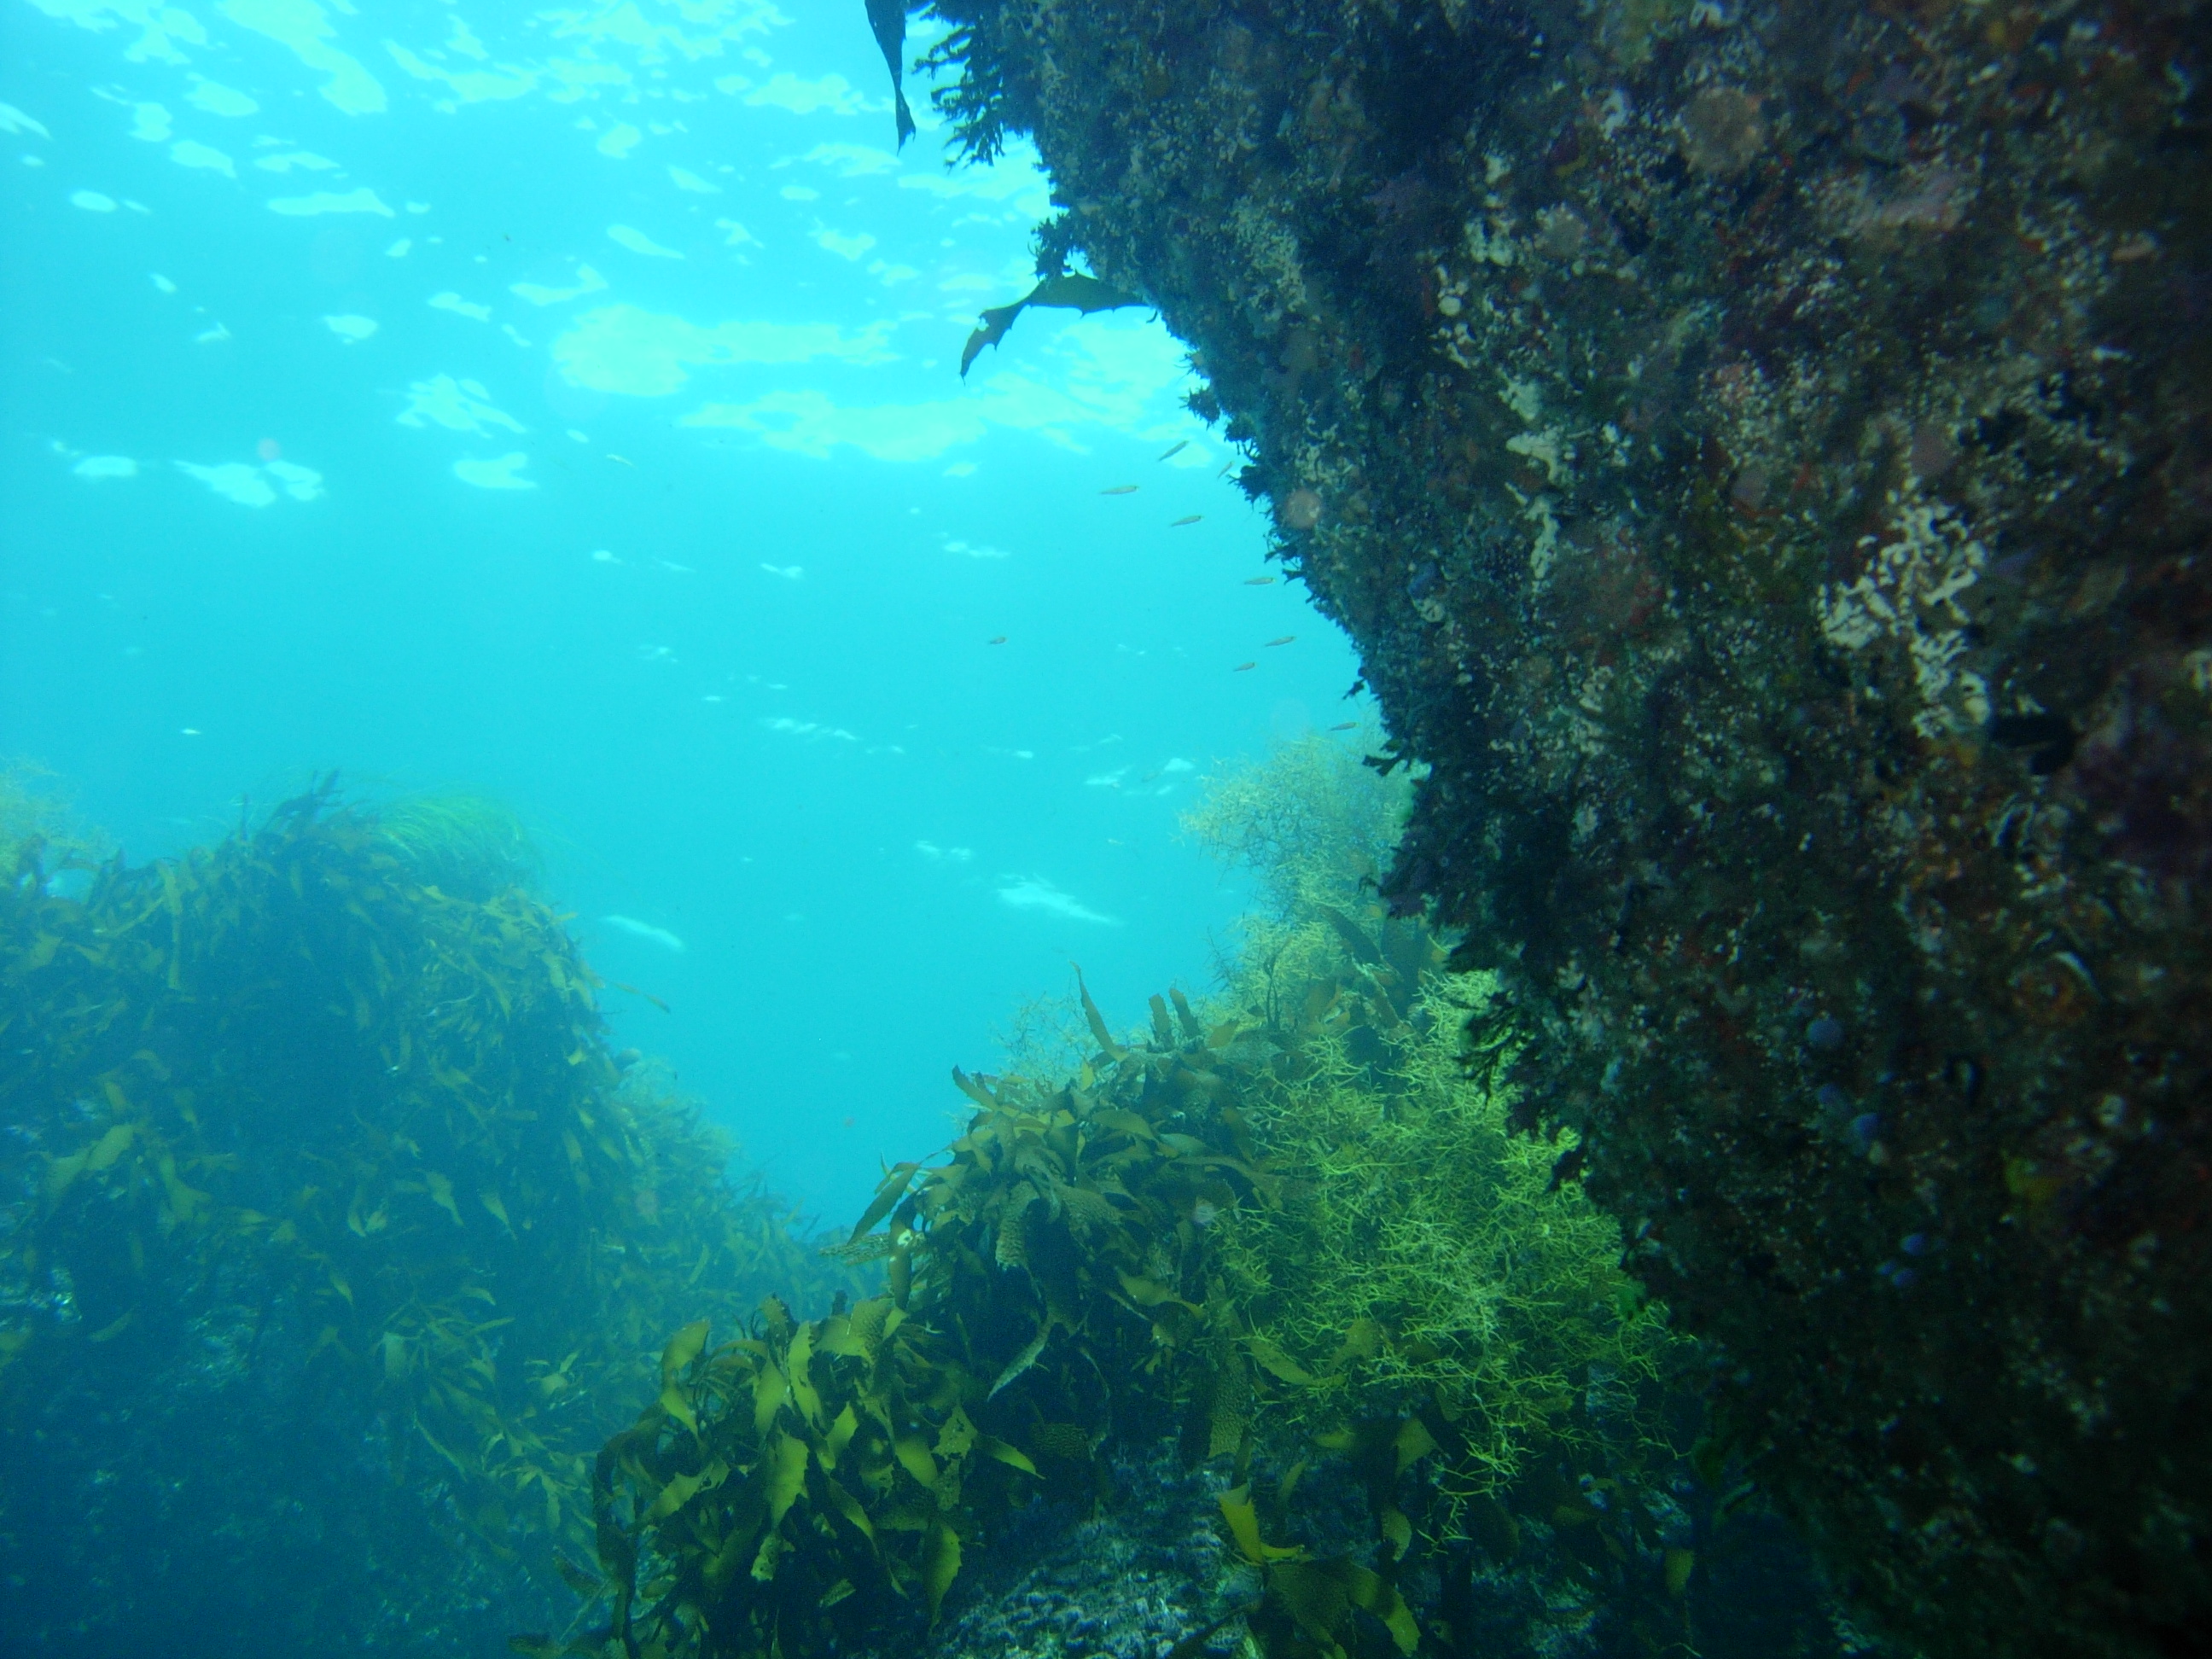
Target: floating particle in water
[268,449]
[1864,1129]
[1830,1098]
[1301,510]
[1825,1034]
[1915,1244]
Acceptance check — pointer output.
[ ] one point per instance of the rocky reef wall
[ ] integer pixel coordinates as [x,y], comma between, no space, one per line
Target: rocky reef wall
[1761,452]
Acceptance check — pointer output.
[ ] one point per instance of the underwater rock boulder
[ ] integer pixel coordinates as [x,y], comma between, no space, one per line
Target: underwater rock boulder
[1761,454]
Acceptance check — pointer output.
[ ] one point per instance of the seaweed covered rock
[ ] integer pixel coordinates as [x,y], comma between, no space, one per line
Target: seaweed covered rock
[1760,452]
[332,1241]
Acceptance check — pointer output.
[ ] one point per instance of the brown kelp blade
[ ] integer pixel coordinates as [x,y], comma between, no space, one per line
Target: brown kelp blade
[888,18]
[1067,292]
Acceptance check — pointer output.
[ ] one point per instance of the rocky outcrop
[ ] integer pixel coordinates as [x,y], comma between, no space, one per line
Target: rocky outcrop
[1761,454]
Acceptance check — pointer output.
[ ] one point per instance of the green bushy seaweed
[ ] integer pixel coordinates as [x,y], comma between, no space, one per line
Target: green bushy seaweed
[1288,1224]
[345,1073]
[35,813]
[1418,1211]
[466,846]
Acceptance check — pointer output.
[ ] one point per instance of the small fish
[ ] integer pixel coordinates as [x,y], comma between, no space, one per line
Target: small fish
[1258,581]
[996,639]
[1242,667]
[623,460]
[1176,448]
[1120,490]
[1286,639]
[635,991]
[1179,523]
[646,930]
[1346,726]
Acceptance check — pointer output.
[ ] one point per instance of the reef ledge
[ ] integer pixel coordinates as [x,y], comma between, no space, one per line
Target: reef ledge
[1762,453]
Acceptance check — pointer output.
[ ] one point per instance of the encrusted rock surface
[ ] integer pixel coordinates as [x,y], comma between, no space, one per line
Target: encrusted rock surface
[1761,452]
[1132,1576]
[1128,1581]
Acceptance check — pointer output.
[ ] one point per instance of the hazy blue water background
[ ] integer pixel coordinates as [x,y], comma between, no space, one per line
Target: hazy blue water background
[874,832]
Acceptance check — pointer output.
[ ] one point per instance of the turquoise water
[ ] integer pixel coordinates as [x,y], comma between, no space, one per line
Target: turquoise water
[562,404]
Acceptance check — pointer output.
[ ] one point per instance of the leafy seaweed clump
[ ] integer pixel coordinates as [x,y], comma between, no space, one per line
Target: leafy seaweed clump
[332,1236]
[1287,1230]
[1433,1292]
[35,815]
[466,846]
[974,92]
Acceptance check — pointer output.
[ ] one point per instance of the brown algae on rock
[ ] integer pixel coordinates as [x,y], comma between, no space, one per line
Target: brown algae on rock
[1766,448]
